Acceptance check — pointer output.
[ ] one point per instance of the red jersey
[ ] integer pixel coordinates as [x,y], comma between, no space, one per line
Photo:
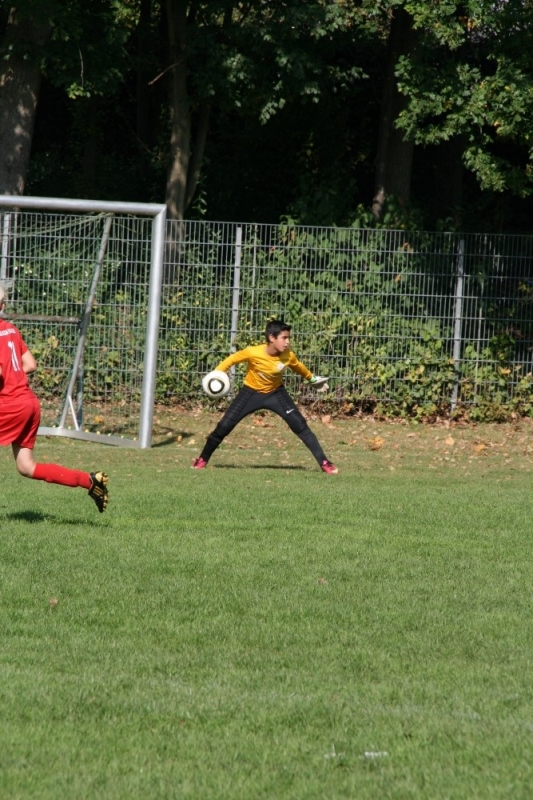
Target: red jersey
[13,379]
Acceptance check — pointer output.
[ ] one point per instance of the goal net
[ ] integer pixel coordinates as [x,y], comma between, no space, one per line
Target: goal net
[84,288]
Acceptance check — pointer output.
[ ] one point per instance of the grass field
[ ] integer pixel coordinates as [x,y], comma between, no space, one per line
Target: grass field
[263,630]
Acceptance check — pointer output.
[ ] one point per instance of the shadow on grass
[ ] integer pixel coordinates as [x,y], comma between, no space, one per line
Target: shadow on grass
[172,439]
[34,517]
[261,466]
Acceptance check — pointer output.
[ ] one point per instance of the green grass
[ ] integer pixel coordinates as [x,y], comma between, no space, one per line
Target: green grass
[262,630]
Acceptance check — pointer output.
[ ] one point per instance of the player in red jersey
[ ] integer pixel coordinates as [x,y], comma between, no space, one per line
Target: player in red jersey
[20,416]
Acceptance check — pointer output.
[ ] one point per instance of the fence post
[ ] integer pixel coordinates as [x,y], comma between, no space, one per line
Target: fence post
[6,242]
[458,314]
[236,294]
[236,288]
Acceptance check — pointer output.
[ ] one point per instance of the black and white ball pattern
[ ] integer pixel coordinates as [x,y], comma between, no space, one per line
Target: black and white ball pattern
[216,383]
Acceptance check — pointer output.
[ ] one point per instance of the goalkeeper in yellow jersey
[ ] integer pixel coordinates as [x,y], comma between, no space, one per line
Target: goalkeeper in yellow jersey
[263,389]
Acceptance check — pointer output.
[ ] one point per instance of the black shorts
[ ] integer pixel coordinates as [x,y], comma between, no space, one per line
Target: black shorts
[249,400]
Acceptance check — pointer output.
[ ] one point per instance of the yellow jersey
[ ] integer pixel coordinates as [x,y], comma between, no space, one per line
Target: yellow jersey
[264,372]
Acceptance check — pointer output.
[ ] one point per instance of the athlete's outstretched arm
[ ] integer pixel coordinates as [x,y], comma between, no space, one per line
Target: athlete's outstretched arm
[299,368]
[234,358]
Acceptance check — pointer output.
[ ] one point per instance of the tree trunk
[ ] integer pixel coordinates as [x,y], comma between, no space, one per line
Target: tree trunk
[145,117]
[449,157]
[186,150]
[20,80]
[180,110]
[197,157]
[394,155]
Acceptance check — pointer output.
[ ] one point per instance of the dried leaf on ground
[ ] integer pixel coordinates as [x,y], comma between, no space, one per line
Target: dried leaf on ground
[260,422]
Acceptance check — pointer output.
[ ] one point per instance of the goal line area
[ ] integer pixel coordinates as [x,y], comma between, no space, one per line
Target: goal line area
[84,288]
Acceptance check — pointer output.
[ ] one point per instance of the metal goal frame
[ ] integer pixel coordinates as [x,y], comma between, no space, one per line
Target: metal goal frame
[158,214]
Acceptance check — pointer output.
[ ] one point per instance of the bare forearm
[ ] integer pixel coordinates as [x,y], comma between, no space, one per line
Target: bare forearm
[29,364]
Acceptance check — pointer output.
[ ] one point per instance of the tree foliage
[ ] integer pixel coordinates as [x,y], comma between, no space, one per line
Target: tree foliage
[473,80]
[269,109]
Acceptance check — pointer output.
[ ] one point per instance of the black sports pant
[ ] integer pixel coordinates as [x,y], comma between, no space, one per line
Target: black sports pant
[249,400]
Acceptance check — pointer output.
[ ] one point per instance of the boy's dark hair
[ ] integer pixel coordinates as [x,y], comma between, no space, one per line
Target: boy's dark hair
[275,327]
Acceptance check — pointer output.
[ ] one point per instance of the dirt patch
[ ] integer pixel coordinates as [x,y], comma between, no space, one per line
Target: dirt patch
[368,442]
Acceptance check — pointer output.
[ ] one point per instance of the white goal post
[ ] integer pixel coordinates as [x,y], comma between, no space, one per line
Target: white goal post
[157,212]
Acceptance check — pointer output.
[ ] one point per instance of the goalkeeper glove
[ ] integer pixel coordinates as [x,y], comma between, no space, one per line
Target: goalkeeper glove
[317,380]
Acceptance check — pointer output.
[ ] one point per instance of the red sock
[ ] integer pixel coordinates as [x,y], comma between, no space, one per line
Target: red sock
[55,473]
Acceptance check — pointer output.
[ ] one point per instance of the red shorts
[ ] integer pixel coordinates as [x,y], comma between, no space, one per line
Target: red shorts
[20,418]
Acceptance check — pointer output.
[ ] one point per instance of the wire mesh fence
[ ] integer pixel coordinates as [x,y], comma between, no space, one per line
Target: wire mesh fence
[414,322]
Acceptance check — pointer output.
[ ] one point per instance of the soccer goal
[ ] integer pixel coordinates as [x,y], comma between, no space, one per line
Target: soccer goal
[84,280]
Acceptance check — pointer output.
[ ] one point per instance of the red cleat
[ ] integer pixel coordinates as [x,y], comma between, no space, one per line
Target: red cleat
[199,463]
[328,467]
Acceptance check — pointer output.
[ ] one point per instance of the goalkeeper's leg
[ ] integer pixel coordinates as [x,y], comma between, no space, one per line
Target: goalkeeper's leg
[247,401]
[283,405]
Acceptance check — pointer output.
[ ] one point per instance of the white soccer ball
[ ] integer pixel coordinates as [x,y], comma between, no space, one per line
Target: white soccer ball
[216,383]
